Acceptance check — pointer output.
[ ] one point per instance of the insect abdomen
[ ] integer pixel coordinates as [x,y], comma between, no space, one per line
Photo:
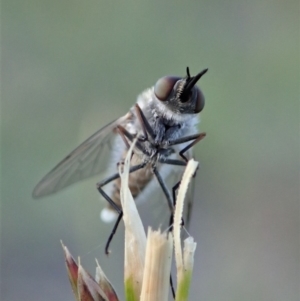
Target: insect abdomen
[137,181]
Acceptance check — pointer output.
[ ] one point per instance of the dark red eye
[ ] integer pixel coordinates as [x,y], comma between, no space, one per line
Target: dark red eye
[200,101]
[164,87]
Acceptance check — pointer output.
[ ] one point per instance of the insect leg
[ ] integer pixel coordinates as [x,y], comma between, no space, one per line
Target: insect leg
[186,221]
[196,138]
[125,141]
[190,204]
[131,137]
[147,129]
[171,220]
[175,187]
[167,194]
[172,162]
[164,188]
[123,138]
[184,139]
[112,203]
[172,287]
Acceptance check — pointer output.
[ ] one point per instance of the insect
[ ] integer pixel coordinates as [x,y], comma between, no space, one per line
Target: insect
[163,121]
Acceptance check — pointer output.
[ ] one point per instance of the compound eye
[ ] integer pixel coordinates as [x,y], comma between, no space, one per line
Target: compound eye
[200,101]
[164,87]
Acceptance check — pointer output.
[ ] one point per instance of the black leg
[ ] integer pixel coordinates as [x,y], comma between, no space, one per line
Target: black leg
[172,286]
[171,221]
[112,203]
[186,220]
[196,138]
[172,162]
[123,138]
[190,202]
[181,153]
[184,139]
[111,235]
[125,141]
[174,189]
[164,188]
[147,129]
[190,198]
[131,137]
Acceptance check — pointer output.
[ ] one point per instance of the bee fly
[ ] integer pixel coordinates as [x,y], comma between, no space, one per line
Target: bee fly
[163,120]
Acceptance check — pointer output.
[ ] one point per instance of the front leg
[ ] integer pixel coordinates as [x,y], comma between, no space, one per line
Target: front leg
[112,203]
[146,127]
[196,138]
[164,188]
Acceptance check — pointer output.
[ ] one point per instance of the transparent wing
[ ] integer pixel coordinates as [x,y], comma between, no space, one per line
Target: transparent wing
[83,162]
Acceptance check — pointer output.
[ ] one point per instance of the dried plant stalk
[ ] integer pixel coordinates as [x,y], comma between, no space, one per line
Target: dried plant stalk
[147,270]
[184,263]
[157,266]
[135,237]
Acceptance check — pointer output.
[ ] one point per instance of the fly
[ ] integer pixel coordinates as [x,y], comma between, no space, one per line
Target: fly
[163,120]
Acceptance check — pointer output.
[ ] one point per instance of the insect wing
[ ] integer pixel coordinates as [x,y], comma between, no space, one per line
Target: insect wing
[83,162]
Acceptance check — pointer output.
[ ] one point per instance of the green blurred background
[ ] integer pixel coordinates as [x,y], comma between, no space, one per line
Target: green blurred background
[70,66]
